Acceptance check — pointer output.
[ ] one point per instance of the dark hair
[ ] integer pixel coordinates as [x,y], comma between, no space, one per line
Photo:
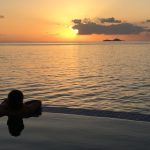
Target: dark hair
[15,100]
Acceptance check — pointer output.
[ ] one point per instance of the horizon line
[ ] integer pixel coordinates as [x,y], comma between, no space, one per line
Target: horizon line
[70,41]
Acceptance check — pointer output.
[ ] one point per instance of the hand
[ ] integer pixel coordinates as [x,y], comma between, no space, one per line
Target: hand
[5,102]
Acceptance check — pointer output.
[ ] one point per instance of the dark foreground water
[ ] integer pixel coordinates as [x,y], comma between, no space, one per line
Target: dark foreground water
[73,132]
[100,76]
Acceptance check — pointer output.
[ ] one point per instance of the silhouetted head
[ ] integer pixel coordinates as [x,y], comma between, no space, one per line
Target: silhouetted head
[15,100]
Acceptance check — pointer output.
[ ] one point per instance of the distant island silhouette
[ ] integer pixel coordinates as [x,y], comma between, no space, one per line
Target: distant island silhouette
[113,40]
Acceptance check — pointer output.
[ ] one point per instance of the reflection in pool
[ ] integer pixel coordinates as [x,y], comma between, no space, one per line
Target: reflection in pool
[15,122]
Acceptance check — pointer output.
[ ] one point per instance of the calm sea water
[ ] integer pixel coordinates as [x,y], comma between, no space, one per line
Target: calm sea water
[104,76]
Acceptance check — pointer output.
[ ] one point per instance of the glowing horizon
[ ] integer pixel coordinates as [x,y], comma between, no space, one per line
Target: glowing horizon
[52,20]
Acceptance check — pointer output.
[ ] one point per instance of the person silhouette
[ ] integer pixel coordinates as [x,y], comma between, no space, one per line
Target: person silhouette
[16,110]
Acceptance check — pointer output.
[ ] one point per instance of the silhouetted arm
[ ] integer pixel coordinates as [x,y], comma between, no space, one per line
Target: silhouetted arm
[32,109]
[5,102]
[4,108]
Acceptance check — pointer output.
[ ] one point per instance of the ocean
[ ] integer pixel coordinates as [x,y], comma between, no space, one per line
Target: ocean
[112,76]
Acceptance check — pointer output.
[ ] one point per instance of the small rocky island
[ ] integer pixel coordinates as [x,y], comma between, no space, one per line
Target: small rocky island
[113,40]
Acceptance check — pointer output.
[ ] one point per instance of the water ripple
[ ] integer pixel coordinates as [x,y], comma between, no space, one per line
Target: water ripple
[102,77]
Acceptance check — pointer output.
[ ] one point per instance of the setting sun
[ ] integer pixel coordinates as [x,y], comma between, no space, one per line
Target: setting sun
[69,33]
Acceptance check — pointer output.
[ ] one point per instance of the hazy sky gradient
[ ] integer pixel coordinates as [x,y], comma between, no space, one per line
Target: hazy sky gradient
[51,20]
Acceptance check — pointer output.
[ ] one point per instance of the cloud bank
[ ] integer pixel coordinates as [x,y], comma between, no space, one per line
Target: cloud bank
[109,20]
[120,28]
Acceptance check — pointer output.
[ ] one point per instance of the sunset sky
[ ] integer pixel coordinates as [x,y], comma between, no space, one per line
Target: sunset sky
[74,20]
